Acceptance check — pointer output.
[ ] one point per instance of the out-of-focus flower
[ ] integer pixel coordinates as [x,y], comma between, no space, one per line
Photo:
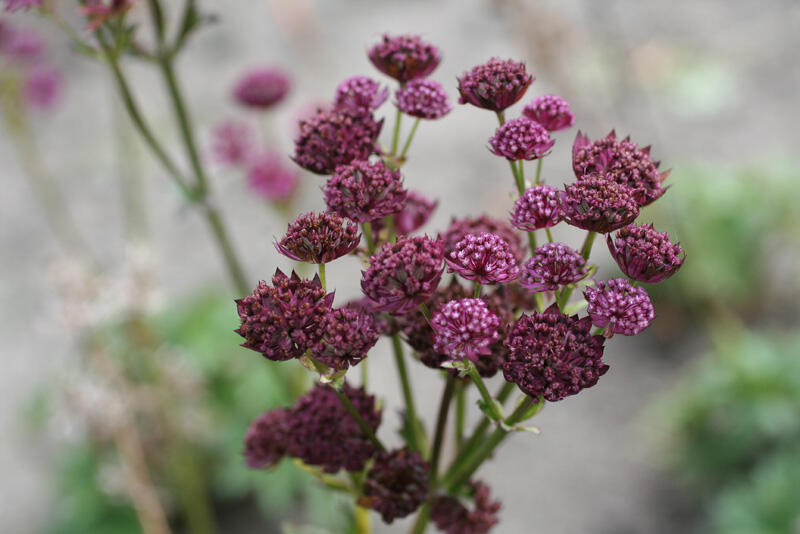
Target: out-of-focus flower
[323,433]
[475,225]
[550,111]
[537,208]
[396,485]
[552,265]
[423,99]
[42,87]
[98,12]
[266,439]
[233,143]
[319,238]
[16,5]
[485,258]
[553,355]
[404,57]
[619,307]
[521,138]
[360,93]
[364,191]
[599,205]
[464,328]
[268,177]
[452,517]
[261,88]
[494,85]
[405,274]
[20,45]
[644,254]
[284,320]
[347,336]
[335,137]
[620,161]
[415,213]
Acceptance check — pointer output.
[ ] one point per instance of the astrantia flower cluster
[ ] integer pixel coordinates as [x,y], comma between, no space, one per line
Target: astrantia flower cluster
[261,88]
[509,305]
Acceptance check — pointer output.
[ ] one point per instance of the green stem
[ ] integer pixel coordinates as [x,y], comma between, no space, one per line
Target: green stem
[367,229]
[537,181]
[481,385]
[408,141]
[521,172]
[477,293]
[517,178]
[532,241]
[501,117]
[549,235]
[423,517]
[411,409]
[396,135]
[441,425]
[322,275]
[353,411]
[586,249]
[461,411]
[390,228]
[425,311]
[563,297]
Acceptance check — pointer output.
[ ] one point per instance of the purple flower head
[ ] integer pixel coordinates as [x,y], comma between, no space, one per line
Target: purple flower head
[550,111]
[619,307]
[537,208]
[261,88]
[485,258]
[404,57]
[475,225]
[620,161]
[464,329]
[269,178]
[416,212]
[452,517]
[404,274]
[521,138]
[42,88]
[552,265]
[284,320]
[319,238]
[599,205]
[494,85]
[266,440]
[233,143]
[335,137]
[364,191]
[396,485]
[385,324]
[644,254]
[553,355]
[20,45]
[323,433]
[347,336]
[360,93]
[16,5]
[424,99]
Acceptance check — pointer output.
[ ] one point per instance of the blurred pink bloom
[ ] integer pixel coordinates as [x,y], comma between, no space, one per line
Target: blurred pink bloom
[97,12]
[20,45]
[42,87]
[15,5]
[233,143]
[261,88]
[268,177]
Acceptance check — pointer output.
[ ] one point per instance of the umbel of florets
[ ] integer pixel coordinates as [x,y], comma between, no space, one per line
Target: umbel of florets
[459,228]
[452,517]
[484,258]
[599,205]
[423,99]
[319,238]
[404,57]
[396,485]
[552,355]
[464,328]
[537,208]
[405,274]
[619,307]
[284,320]
[335,137]
[347,336]
[550,111]
[494,85]
[261,88]
[365,191]
[360,94]
[644,254]
[552,266]
[521,138]
[267,439]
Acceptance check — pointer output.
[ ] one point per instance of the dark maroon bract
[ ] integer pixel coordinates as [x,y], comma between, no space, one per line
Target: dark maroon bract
[365,191]
[404,57]
[494,85]
[319,238]
[644,254]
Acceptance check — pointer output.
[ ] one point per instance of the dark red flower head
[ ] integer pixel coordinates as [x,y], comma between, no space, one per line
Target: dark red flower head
[552,266]
[364,191]
[266,439]
[494,85]
[619,307]
[360,93]
[620,161]
[319,238]
[423,99]
[485,258]
[347,336]
[335,137]
[521,139]
[404,57]
[599,205]
[537,208]
[284,320]
[644,254]
[396,485]
[261,88]
[464,328]
[452,517]
[553,355]
[550,111]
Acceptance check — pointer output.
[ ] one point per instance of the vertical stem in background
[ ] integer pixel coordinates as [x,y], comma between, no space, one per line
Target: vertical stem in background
[405,383]
[353,411]
[367,229]
[408,141]
[586,249]
[549,235]
[532,241]
[461,410]
[396,135]
[322,275]
[441,425]
[517,178]
[537,181]
[477,292]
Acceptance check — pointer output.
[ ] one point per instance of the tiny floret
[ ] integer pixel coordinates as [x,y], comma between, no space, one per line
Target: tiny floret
[619,307]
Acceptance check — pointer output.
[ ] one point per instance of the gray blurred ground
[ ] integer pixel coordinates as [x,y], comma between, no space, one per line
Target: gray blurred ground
[701,80]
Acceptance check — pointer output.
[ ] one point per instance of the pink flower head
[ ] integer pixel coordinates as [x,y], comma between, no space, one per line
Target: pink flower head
[404,57]
[644,254]
[20,45]
[620,161]
[521,138]
[423,99]
[537,208]
[233,143]
[364,191]
[552,265]
[42,87]
[319,238]
[484,258]
[459,228]
[619,307]
[550,111]
[599,205]
[261,88]
[268,177]
[416,212]
[17,5]
[464,328]
[494,85]
[360,93]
